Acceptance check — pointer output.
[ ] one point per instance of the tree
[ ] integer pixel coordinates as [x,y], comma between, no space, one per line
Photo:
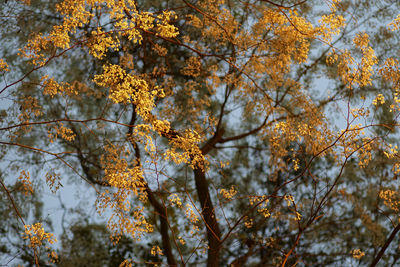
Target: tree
[204,130]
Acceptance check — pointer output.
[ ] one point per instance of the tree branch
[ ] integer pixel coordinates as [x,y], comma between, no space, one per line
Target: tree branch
[385,246]
[160,209]
[240,136]
[208,212]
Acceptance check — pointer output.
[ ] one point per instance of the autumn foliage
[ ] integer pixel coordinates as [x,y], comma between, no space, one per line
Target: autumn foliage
[204,133]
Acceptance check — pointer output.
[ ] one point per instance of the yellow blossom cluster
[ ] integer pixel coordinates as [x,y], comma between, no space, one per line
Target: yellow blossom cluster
[156,250]
[181,240]
[125,182]
[228,194]
[127,88]
[41,47]
[53,88]
[53,181]
[193,67]
[190,214]
[391,151]
[100,42]
[390,73]
[29,107]
[52,255]
[122,222]
[262,204]
[164,28]
[295,164]
[76,13]
[36,235]
[3,65]
[359,112]
[313,132]
[289,199]
[357,253]
[191,154]
[297,216]
[175,200]
[160,50]
[395,24]
[364,151]
[365,69]
[117,172]
[379,100]
[126,263]
[248,222]
[351,141]
[330,25]
[193,218]
[24,178]
[391,199]
[62,131]
[353,73]
[290,41]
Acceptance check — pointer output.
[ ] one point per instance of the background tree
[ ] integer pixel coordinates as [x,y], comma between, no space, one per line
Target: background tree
[205,129]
